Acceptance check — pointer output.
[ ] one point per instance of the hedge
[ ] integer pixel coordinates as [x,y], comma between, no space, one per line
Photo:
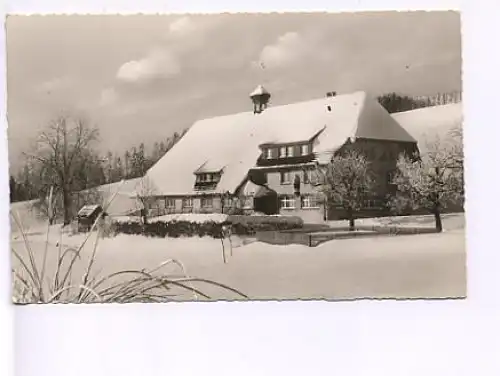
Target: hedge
[175,229]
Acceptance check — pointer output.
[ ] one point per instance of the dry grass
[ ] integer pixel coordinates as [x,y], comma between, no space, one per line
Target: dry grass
[31,284]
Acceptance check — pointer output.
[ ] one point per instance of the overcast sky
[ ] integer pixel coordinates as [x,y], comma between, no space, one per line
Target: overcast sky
[140,78]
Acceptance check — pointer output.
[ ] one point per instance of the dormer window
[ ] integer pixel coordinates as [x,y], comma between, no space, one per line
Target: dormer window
[207,180]
[274,154]
[304,149]
[202,178]
[283,152]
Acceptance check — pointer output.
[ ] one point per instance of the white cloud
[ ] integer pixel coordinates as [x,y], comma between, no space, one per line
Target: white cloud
[290,48]
[158,63]
[164,61]
[182,26]
[108,96]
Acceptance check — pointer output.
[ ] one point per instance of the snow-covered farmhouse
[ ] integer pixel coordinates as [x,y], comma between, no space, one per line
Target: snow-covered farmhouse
[263,160]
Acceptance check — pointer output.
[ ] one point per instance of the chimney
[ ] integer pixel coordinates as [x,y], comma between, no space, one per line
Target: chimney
[260,98]
[331,94]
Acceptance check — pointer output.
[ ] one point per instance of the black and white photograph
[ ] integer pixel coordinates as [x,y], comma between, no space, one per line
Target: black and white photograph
[236,157]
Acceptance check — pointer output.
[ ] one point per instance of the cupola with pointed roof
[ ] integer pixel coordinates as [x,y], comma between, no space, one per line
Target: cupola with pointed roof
[260,98]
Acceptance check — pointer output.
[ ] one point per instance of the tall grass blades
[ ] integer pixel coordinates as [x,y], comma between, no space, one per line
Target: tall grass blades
[169,281]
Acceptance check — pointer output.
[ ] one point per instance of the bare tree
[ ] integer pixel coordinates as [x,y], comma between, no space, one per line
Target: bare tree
[62,153]
[145,194]
[434,181]
[347,182]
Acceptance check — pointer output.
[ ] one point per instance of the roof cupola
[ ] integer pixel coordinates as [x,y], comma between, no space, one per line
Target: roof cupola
[260,98]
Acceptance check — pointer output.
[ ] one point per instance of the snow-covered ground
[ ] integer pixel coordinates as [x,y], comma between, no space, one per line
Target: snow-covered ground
[451,221]
[430,265]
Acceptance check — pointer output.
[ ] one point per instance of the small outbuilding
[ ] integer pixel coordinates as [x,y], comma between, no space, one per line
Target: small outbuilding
[87,215]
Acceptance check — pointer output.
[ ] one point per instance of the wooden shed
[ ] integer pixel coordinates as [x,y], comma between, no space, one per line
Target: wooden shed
[87,216]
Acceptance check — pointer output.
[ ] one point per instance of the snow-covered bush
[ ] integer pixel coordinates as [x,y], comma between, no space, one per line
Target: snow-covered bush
[240,225]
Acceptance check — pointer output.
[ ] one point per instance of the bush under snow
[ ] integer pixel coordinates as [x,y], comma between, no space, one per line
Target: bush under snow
[189,217]
[206,225]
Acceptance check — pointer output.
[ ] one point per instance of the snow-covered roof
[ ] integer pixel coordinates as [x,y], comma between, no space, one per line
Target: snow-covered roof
[259,90]
[428,123]
[120,198]
[87,210]
[210,166]
[127,186]
[233,140]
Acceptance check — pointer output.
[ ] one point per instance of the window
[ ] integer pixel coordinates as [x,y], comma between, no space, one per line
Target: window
[282,152]
[289,151]
[248,202]
[187,203]
[206,202]
[304,149]
[207,178]
[203,178]
[228,202]
[269,153]
[286,177]
[309,201]
[369,204]
[287,202]
[169,203]
[373,204]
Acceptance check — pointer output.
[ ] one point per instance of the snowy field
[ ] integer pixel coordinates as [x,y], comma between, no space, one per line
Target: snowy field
[416,266]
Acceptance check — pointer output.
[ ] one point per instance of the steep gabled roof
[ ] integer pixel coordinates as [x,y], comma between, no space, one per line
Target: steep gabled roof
[233,140]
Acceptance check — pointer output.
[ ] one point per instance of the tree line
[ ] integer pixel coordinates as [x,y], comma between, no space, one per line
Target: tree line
[395,102]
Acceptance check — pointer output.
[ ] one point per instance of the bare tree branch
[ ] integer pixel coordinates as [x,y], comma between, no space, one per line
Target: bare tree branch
[64,154]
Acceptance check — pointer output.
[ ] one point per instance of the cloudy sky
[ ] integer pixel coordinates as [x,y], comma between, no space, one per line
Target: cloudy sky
[141,78]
